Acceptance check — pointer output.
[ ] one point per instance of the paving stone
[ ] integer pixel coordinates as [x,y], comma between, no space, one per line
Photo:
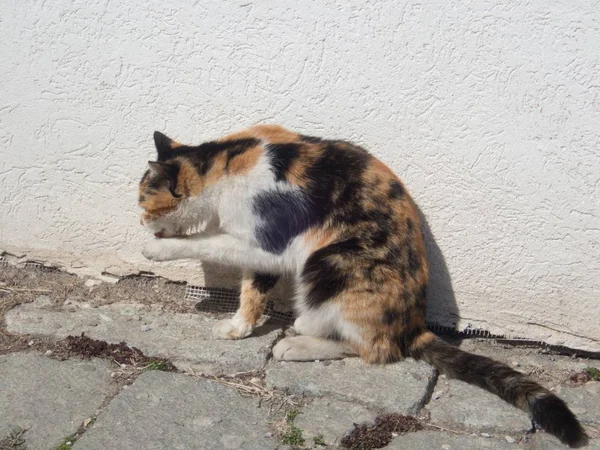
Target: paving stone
[186,339]
[400,387]
[434,440]
[583,400]
[331,419]
[459,405]
[49,398]
[545,441]
[174,411]
[550,370]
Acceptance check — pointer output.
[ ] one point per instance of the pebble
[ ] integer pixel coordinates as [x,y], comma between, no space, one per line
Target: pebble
[256,381]
[30,343]
[516,363]
[510,439]
[486,435]
[91,283]
[48,352]
[269,435]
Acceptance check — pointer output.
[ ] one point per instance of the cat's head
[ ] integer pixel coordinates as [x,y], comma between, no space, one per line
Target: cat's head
[162,192]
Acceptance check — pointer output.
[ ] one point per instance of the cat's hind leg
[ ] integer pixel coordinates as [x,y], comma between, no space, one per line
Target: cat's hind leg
[317,329]
[311,348]
[253,298]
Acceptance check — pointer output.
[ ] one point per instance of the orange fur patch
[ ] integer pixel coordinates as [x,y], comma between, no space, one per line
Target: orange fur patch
[188,180]
[242,164]
[158,204]
[252,302]
[423,340]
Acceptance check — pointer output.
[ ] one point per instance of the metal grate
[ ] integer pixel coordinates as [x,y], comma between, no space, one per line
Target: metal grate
[222,300]
[33,265]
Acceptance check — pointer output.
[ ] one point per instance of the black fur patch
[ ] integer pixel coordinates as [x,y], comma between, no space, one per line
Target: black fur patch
[282,156]
[264,282]
[555,417]
[203,156]
[396,190]
[310,139]
[335,180]
[414,263]
[163,145]
[165,177]
[325,279]
[390,316]
[284,216]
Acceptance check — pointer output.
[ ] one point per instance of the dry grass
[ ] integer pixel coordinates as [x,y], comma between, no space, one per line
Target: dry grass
[252,385]
[15,440]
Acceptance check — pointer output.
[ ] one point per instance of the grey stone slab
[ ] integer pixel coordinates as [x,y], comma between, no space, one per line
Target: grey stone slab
[49,398]
[547,369]
[331,419]
[175,411]
[545,441]
[583,400]
[434,440]
[400,387]
[459,405]
[186,339]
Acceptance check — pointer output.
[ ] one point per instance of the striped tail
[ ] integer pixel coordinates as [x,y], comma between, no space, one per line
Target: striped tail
[545,408]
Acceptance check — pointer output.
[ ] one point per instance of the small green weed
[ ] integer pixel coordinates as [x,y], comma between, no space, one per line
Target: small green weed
[593,373]
[14,440]
[67,442]
[291,415]
[293,436]
[318,440]
[159,364]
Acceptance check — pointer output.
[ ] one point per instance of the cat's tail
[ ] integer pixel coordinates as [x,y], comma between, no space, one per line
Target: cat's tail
[546,409]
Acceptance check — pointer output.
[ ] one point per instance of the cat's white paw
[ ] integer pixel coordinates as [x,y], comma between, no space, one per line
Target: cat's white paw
[309,348]
[234,328]
[162,249]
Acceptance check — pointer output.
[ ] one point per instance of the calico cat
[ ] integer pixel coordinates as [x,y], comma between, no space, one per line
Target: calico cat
[338,219]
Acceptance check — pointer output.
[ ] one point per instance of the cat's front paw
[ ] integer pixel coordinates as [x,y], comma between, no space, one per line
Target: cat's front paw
[162,249]
[234,328]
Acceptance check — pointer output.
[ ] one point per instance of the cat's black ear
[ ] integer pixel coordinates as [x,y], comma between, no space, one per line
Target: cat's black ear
[168,171]
[164,145]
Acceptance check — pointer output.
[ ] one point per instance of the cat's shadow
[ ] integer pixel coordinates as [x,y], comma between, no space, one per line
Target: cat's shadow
[442,310]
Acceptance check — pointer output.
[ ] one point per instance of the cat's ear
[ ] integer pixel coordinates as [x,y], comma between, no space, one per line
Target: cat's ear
[168,171]
[164,145]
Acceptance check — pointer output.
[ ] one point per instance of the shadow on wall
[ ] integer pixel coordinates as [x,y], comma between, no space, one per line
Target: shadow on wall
[442,309]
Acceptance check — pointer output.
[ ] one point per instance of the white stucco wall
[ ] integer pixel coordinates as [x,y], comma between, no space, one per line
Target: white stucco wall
[489,111]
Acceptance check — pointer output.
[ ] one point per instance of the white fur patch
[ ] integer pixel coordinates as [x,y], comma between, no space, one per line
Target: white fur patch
[309,348]
[234,328]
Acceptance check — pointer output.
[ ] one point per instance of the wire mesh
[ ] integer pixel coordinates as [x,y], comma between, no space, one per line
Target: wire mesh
[222,300]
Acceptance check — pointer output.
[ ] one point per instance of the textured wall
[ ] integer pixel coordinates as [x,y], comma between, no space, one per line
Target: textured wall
[490,112]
